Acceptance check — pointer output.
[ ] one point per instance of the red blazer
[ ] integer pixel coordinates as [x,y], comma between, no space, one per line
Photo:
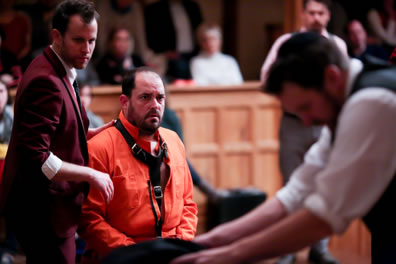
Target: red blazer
[46,118]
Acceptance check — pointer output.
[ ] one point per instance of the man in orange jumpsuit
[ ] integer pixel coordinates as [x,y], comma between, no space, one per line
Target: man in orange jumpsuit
[151,199]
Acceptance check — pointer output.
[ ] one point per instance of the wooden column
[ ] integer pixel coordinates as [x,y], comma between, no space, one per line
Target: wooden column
[292,15]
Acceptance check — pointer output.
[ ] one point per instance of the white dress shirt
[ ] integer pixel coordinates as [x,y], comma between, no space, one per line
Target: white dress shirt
[273,53]
[343,181]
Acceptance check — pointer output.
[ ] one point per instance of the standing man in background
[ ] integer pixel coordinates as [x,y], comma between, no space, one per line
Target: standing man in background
[45,178]
[295,138]
[170,31]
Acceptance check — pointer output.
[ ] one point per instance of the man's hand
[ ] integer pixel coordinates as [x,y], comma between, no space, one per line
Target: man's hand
[102,182]
[220,255]
[77,173]
[94,131]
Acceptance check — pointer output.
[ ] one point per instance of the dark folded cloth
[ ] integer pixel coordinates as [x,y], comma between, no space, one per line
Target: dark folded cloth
[159,251]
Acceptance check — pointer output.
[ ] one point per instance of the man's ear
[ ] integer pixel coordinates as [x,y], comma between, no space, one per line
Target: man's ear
[124,100]
[56,37]
[333,80]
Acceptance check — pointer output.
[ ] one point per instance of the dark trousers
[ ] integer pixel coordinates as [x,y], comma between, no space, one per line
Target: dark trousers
[40,244]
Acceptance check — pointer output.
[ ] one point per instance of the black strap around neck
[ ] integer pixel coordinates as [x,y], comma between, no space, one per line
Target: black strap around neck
[77,91]
[154,164]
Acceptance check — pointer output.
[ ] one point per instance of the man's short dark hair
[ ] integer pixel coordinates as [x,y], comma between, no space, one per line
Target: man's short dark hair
[68,8]
[327,3]
[129,81]
[302,60]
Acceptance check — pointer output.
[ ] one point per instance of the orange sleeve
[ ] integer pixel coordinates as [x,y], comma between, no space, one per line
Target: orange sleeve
[188,224]
[94,229]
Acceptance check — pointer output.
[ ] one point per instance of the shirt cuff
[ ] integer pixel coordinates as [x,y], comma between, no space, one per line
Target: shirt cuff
[317,205]
[51,166]
[290,198]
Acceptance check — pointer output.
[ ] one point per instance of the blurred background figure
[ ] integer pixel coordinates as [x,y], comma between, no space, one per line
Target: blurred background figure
[121,13]
[170,31]
[381,19]
[211,66]
[9,246]
[10,71]
[86,98]
[358,46]
[119,57]
[40,13]
[18,29]
[6,115]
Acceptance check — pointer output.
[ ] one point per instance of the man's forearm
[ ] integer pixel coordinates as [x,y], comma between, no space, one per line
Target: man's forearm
[73,172]
[260,218]
[289,235]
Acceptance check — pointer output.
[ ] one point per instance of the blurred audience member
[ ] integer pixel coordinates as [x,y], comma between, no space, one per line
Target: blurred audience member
[381,20]
[211,66]
[338,20]
[88,75]
[10,71]
[358,46]
[170,30]
[95,121]
[6,115]
[392,58]
[9,246]
[125,13]
[315,17]
[40,14]
[18,29]
[118,58]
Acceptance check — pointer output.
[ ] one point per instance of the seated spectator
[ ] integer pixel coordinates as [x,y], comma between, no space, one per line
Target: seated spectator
[6,115]
[358,46]
[211,66]
[10,71]
[119,58]
[88,75]
[152,183]
[95,121]
[125,13]
[9,246]
[170,31]
[18,29]
[40,13]
[381,20]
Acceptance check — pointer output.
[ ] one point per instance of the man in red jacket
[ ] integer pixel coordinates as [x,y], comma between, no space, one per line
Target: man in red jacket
[45,179]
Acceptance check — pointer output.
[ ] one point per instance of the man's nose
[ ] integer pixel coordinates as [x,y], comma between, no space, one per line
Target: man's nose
[86,47]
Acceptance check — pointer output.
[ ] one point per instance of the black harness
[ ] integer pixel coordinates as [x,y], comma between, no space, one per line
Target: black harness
[154,164]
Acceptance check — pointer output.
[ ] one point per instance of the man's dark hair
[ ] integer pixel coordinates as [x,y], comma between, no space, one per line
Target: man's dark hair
[129,81]
[327,3]
[68,8]
[302,60]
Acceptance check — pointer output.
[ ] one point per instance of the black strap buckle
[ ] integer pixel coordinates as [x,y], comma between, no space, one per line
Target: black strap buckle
[158,192]
[136,149]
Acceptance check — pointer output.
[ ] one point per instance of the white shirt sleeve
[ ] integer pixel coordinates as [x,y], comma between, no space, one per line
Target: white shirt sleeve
[302,181]
[51,166]
[362,161]
[271,57]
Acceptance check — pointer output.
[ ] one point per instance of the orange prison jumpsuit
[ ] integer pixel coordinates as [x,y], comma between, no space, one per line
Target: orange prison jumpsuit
[129,218]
